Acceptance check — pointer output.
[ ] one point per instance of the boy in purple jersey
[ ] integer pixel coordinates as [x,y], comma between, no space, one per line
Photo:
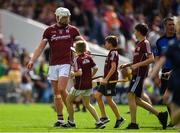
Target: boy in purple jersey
[142,58]
[60,37]
[106,89]
[84,70]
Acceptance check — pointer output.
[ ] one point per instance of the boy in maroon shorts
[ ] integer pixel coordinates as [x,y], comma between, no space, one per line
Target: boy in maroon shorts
[107,89]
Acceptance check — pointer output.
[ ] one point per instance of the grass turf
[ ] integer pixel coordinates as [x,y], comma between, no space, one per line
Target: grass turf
[40,118]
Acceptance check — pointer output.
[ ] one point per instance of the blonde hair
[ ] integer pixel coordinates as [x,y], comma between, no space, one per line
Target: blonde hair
[80,46]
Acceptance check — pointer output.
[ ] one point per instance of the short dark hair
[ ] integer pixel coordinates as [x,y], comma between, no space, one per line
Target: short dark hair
[142,28]
[165,20]
[112,39]
[80,46]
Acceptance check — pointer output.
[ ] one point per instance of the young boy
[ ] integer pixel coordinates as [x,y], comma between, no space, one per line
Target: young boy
[142,58]
[84,70]
[106,89]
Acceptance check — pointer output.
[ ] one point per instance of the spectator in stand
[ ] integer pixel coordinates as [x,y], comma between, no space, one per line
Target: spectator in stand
[5,52]
[126,10]
[88,6]
[155,32]
[15,73]
[24,56]
[26,83]
[14,47]
[78,15]
[43,86]
[3,68]
[111,19]
[98,28]
[165,8]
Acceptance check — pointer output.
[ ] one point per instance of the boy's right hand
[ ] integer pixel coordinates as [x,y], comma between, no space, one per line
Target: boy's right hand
[122,66]
[103,81]
[71,74]
[127,72]
[30,65]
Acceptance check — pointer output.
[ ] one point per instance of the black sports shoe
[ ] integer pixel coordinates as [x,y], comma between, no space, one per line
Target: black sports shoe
[58,124]
[84,109]
[170,124]
[105,119]
[163,116]
[128,112]
[100,125]
[119,122]
[132,126]
[69,125]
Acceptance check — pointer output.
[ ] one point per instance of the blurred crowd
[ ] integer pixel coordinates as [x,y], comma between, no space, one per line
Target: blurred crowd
[96,19]
[16,83]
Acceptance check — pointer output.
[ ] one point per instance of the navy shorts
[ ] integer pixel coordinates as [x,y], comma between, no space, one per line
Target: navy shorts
[107,90]
[136,85]
[174,86]
[164,82]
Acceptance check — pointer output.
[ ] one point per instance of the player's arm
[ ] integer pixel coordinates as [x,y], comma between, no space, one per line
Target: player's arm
[125,65]
[77,73]
[38,50]
[156,59]
[111,72]
[37,53]
[149,60]
[157,67]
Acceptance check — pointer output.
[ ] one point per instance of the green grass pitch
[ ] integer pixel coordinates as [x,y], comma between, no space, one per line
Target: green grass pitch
[40,118]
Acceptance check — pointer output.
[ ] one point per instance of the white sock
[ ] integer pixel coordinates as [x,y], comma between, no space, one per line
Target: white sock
[72,122]
[99,122]
[62,121]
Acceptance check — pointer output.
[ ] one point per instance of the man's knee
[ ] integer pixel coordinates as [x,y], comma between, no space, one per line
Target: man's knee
[57,96]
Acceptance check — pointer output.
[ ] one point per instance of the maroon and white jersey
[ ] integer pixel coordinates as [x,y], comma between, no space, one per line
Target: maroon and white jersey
[85,63]
[60,40]
[112,57]
[142,50]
